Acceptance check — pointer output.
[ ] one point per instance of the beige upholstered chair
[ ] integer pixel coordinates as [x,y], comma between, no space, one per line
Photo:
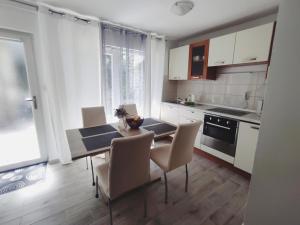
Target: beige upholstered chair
[130,109]
[171,156]
[91,117]
[127,169]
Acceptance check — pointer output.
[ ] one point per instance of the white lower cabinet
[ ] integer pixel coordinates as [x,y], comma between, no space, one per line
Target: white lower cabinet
[246,146]
[177,114]
[169,113]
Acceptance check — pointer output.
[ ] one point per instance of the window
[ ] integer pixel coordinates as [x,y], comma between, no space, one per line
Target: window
[123,75]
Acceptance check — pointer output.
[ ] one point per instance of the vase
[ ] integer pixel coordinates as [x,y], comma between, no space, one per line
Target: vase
[123,123]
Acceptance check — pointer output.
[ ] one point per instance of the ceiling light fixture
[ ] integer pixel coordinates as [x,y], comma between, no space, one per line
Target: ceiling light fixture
[181,8]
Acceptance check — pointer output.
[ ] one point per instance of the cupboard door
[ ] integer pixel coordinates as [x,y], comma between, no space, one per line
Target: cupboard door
[198,62]
[246,146]
[253,45]
[169,113]
[188,115]
[178,63]
[221,50]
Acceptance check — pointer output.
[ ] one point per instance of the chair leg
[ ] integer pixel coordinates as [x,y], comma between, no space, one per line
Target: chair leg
[92,168]
[87,164]
[166,188]
[110,211]
[186,178]
[145,200]
[97,188]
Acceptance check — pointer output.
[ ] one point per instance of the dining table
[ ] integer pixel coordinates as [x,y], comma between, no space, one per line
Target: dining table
[91,141]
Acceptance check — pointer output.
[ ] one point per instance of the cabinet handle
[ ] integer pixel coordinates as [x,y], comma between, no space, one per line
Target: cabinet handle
[255,128]
[220,62]
[251,59]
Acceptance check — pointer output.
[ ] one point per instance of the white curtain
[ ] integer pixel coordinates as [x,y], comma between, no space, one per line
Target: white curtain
[158,47]
[124,69]
[71,76]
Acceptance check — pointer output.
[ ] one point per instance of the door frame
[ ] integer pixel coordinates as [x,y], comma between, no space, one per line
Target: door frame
[34,88]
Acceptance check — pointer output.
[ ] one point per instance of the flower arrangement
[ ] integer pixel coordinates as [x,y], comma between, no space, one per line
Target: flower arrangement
[121,114]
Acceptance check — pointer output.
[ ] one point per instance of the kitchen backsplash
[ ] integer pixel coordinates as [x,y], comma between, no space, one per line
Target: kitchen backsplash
[231,88]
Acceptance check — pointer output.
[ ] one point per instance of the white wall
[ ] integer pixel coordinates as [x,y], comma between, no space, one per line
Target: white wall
[275,187]
[15,17]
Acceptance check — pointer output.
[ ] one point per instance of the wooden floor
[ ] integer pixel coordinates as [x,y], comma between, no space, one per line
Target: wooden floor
[217,196]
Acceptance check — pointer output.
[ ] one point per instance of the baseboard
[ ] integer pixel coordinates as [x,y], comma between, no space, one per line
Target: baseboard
[222,162]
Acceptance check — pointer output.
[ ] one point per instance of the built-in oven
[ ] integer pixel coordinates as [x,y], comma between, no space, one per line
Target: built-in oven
[220,136]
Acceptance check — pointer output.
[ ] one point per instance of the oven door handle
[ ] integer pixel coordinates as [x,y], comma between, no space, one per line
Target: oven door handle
[216,125]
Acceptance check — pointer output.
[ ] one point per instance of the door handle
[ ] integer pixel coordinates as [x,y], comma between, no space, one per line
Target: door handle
[255,128]
[216,125]
[33,100]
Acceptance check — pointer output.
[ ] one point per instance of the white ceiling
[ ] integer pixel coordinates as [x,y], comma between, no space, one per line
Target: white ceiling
[155,15]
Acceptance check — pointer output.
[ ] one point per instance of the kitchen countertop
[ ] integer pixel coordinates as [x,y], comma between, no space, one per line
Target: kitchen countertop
[250,117]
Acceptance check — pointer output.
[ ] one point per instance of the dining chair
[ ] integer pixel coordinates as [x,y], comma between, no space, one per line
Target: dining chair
[91,117]
[179,153]
[130,109]
[128,168]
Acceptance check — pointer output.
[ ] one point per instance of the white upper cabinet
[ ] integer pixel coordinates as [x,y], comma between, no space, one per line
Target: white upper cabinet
[179,63]
[221,50]
[253,45]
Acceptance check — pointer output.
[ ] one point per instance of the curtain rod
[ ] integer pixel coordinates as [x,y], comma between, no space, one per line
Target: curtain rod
[131,28]
[88,21]
[26,3]
[123,26]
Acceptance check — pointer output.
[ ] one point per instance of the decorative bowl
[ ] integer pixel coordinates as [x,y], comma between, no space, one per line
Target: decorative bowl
[134,122]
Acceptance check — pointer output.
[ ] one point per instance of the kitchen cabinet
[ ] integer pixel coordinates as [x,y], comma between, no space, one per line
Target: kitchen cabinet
[198,62]
[246,146]
[177,114]
[169,113]
[254,44]
[188,115]
[221,50]
[178,63]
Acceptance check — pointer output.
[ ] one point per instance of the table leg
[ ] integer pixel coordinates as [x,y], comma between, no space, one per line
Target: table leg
[92,168]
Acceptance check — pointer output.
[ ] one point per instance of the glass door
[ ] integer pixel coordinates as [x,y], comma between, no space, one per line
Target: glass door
[19,106]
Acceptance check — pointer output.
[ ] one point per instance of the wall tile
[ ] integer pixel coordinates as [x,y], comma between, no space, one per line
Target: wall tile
[260,91]
[261,79]
[242,78]
[228,89]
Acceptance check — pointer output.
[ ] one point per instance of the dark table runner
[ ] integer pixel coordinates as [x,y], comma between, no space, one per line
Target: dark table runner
[149,121]
[90,131]
[160,128]
[99,141]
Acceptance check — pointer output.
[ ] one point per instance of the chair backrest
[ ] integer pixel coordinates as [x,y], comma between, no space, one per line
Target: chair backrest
[93,116]
[183,144]
[129,165]
[130,109]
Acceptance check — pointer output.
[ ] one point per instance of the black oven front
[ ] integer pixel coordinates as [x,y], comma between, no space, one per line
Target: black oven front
[220,133]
